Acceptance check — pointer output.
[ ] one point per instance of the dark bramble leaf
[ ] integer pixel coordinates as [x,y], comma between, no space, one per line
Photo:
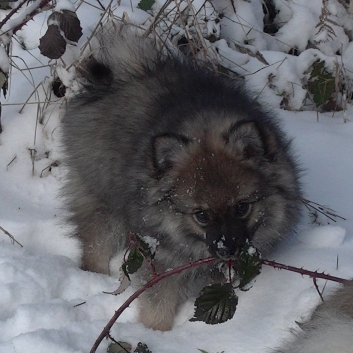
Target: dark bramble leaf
[146,4]
[216,304]
[119,347]
[52,44]
[321,83]
[133,262]
[69,23]
[145,249]
[247,266]
[142,348]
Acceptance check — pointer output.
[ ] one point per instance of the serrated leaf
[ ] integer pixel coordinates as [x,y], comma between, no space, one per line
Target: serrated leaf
[142,348]
[216,304]
[321,83]
[68,23]
[247,266]
[119,347]
[52,44]
[146,5]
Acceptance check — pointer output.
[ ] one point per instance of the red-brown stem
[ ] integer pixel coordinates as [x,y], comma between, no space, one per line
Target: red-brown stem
[154,280]
[12,12]
[135,295]
[302,271]
[37,10]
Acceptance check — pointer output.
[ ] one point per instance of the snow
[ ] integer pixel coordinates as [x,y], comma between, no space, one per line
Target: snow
[323,237]
[64,5]
[48,304]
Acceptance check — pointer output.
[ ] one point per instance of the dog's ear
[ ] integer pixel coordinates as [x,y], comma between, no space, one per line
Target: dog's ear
[252,139]
[167,149]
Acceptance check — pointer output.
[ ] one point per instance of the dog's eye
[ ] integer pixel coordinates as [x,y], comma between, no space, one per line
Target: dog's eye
[242,209]
[202,217]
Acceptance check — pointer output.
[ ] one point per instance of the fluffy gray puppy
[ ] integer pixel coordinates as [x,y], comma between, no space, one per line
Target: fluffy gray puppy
[330,329]
[160,147]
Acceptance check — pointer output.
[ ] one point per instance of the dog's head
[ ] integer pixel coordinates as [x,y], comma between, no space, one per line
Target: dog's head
[225,187]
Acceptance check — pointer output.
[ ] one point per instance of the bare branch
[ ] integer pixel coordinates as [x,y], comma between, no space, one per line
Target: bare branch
[11,237]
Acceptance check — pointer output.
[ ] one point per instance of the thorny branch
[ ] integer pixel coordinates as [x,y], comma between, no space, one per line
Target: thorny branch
[106,331]
[28,17]
[149,284]
[304,272]
[11,236]
[12,12]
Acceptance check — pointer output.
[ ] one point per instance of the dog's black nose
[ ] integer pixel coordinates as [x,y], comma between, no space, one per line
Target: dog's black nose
[224,253]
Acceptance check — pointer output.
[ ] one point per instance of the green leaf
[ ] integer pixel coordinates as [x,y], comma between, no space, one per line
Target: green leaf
[142,348]
[119,347]
[321,83]
[146,5]
[4,5]
[216,304]
[133,262]
[140,250]
[144,248]
[247,266]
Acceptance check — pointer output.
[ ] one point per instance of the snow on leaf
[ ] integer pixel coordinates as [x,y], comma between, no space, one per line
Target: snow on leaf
[52,44]
[68,22]
[247,266]
[216,304]
[146,245]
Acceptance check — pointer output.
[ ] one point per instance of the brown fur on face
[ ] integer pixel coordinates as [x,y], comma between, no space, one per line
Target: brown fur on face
[214,179]
[214,182]
[211,175]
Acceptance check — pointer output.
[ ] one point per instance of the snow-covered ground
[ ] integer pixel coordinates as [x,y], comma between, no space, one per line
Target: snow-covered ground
[42,285]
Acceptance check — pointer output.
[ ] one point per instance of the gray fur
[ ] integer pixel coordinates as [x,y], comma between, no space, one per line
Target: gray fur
[153,139]
[330,329]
